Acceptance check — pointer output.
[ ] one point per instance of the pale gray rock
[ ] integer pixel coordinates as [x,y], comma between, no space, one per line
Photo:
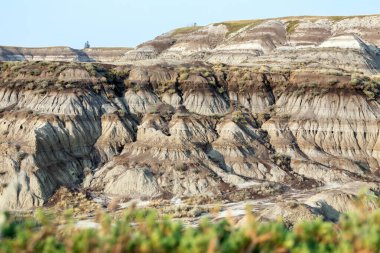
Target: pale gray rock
[290,213]
[137,182]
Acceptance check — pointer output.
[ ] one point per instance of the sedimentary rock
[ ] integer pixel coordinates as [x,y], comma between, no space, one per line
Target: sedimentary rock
[301,110]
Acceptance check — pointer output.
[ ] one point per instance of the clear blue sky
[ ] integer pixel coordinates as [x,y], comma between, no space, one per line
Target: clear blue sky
[37,23]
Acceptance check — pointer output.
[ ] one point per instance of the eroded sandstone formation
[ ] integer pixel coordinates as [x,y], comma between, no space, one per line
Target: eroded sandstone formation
[181,130]
[217,110]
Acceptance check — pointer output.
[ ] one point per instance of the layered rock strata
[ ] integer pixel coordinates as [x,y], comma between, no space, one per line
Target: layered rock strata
[349,43]
[163,131]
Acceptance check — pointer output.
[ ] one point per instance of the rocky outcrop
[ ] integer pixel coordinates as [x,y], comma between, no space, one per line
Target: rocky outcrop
[120,180]
[183,130]
[290,213]
[331,203]
[55,134]
[328,203]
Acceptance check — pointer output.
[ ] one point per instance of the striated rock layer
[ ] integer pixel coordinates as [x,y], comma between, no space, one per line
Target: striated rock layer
[113,54]
[349,43]
[163,131]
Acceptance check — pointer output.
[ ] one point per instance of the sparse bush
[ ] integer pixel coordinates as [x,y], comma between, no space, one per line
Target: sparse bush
[206,73]
[281,160]
[184,76]
[312,85]
[136,88]
[370,87]
[16,66]
[44,84]
[355,82]
[285,116]
[91,69]
[370,94]
[97,88]
[52,67]
[120,71]
[181,167]
[332,82]
[35,72]
[58,85]
[121,112]
[221,90]
[30,86]
[292,26]
[239,118]
[315,93]
[300,91]
[69,85]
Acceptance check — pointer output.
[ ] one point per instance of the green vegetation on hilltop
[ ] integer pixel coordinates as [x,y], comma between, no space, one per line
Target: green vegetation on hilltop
[340,18]
[146,231]
[292,21]
[291,26]
[337,18]
[184,30]
[234,26]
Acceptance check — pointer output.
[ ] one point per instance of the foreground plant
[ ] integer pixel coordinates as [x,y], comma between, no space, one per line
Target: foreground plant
[145,231]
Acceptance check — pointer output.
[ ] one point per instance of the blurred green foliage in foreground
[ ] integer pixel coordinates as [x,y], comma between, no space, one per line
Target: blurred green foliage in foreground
[145,231]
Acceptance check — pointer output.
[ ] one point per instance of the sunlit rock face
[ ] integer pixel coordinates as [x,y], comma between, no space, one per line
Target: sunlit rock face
[351,42]
[180,130]
[299,109]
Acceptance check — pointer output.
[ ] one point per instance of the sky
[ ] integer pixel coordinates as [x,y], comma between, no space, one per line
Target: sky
[119,23]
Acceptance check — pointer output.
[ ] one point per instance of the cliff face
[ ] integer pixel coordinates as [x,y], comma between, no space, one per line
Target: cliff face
[159,131]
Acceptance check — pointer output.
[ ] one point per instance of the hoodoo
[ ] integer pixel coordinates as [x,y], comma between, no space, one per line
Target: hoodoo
[289,104]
